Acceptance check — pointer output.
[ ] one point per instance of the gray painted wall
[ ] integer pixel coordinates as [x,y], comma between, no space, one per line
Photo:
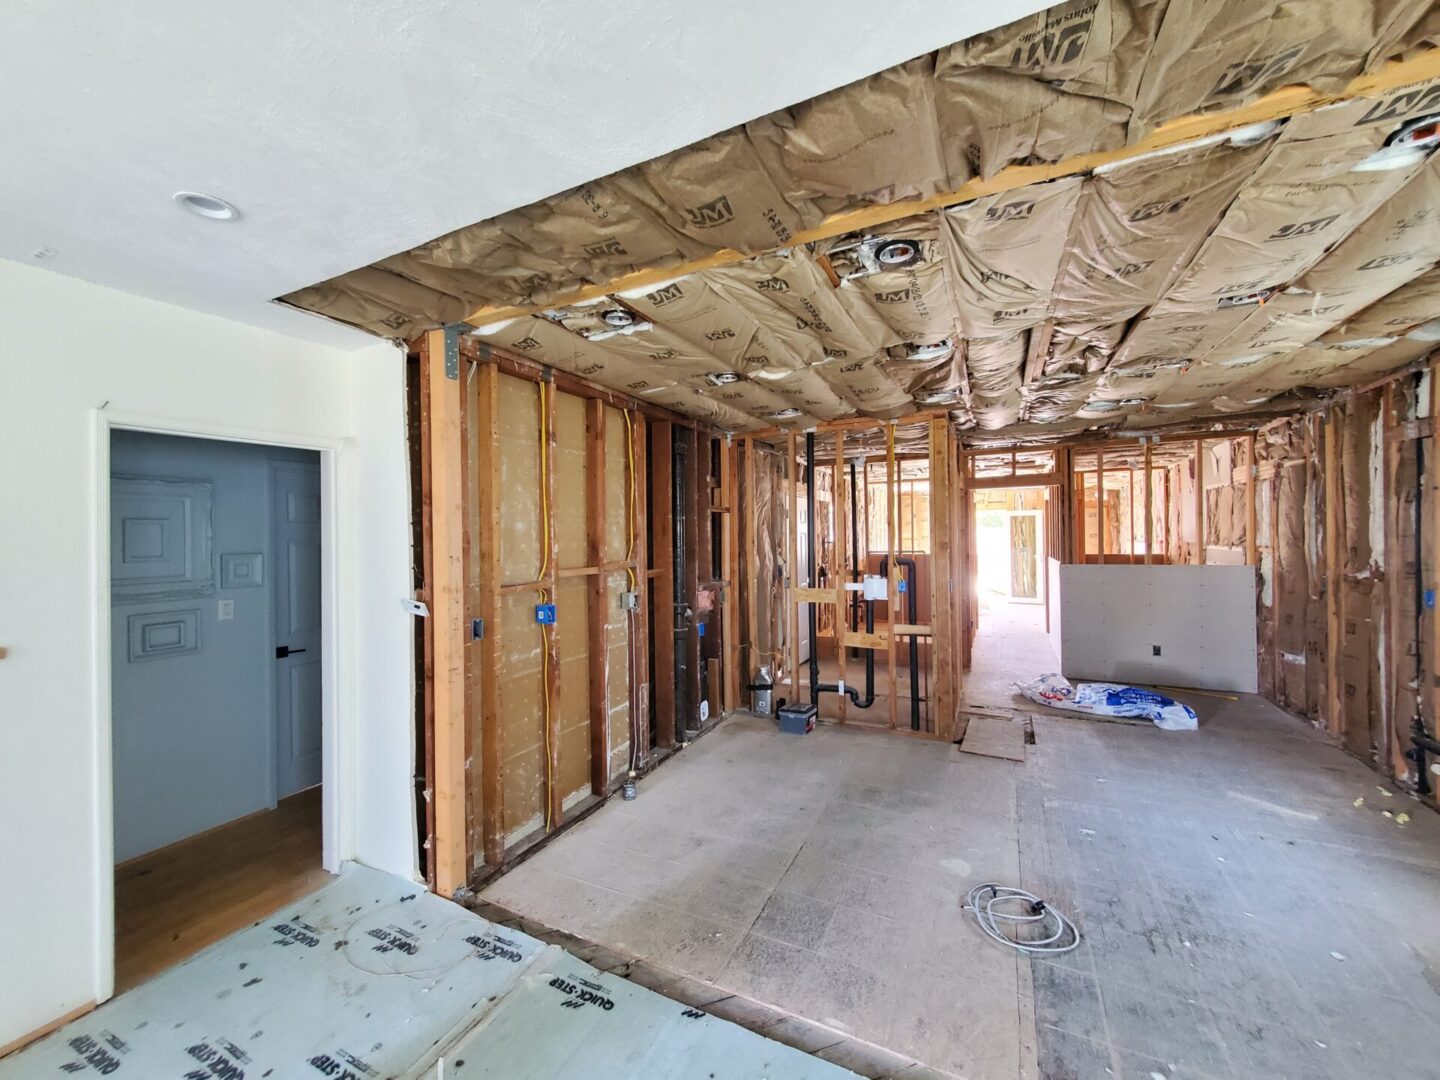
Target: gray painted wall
[192,694]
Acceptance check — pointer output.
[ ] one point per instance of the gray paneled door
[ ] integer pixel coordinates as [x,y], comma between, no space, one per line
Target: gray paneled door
[295,519]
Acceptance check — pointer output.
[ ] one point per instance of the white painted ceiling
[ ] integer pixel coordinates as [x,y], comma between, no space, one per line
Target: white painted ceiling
[348,132]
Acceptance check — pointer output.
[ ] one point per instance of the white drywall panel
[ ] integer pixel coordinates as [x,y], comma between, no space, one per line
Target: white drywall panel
[1202,619]
[69,350]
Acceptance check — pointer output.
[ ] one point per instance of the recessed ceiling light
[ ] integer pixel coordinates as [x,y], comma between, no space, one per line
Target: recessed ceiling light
[895,254]
[722,378]
[618,317]
[785,414]
[930,351]
[207,206]
[937,397]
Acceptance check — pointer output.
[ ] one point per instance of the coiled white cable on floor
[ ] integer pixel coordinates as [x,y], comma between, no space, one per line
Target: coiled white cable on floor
[989,903]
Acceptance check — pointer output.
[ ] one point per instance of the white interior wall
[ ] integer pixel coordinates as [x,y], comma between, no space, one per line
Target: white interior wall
[67,350]
[1202,618]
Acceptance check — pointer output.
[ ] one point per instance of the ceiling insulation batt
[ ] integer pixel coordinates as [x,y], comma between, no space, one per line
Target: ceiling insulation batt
[1398,243]
[874,141]
[596,230]
[1135,229]
[482,261]
[912,300]
[717,193]
[1221,54]
[1057,83]
[789,294]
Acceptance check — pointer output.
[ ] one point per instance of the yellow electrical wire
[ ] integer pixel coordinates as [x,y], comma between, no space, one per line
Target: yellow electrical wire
[545,598]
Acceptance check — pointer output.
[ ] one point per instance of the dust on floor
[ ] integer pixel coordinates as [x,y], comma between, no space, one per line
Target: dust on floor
[1242,917]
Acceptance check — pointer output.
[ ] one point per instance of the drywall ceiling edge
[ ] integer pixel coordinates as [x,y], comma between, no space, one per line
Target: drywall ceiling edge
[347,134]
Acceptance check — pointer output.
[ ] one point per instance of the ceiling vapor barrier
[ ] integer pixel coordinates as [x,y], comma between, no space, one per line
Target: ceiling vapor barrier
[1072,223]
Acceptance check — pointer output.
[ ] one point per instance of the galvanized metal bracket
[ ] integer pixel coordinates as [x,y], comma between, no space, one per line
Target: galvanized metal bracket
[452,349]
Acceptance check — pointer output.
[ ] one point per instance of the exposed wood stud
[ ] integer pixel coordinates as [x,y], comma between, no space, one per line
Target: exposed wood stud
[840,558]
[730,561]
[942,711]
[662,531]
[1334,611]
[445,592]
[640,721]
[599,595]
[1149,508]
[792,543]
[552,637]
[1200,502]
[753,659]
[892,586]
[1250,508]
[1100,503]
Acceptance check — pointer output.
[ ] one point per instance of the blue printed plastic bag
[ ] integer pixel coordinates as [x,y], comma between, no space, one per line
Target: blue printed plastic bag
[1110,699]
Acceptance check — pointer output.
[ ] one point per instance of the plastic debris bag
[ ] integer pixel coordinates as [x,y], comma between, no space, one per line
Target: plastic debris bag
[1110,699]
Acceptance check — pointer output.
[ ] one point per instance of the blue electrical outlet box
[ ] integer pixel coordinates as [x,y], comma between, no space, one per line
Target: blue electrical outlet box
[545,614]
[700,628]
[1429,598]
[901,586]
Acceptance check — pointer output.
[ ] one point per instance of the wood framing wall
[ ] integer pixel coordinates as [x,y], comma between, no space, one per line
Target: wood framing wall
[535,489]
[940,574]
[538,488]
[1348,533]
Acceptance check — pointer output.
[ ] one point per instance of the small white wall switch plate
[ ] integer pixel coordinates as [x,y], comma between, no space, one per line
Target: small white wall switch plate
[224,609]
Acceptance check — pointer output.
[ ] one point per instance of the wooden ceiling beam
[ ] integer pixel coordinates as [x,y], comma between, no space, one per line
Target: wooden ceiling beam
[1285,102]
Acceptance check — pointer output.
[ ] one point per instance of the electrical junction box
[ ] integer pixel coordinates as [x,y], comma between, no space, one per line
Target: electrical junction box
[873,587]
[545,614]
[901,586]
[700,629]
[629,601]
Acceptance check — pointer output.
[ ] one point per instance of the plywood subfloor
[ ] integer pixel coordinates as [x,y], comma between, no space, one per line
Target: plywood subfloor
[373,977]
[1242,918]
[172,903]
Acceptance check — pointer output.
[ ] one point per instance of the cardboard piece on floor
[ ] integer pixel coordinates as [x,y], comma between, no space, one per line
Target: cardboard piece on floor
[988,736]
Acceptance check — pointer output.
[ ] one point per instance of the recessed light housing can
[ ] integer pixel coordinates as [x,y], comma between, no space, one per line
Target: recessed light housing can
[207,206]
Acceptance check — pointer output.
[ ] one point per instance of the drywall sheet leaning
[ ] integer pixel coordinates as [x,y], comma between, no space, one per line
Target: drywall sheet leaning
[1201,619]
[372,976]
